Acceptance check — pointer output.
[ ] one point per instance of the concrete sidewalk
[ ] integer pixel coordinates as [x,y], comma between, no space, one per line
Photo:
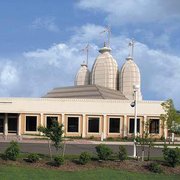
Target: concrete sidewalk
[82,141]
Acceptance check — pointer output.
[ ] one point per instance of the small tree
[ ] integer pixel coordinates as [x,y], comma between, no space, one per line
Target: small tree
[54,133]
[150,142]
[145,140]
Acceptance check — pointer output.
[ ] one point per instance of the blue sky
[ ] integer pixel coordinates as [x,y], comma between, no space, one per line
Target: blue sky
[41,42]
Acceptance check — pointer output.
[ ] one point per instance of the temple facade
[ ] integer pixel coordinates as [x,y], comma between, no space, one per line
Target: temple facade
[98,105]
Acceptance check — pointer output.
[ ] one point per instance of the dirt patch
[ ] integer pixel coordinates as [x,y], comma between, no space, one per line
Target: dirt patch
[69,165]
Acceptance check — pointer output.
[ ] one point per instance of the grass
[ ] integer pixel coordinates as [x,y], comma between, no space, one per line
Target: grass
[22,173]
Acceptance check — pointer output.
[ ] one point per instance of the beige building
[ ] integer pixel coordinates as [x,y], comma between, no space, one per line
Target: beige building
[98,105]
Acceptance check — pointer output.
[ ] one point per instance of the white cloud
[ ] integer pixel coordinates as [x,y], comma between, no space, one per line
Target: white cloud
[88,33]
[134,11]
[47,23]
[8,75]
[59,55]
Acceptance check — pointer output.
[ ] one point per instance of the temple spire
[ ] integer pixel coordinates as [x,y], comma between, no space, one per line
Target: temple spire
[107,30]
[131,48]
[86,50]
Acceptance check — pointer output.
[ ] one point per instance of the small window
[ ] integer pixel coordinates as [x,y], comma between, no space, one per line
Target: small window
[114,125]
[154,126]
[49,120]
[31,123]
[73,124]
[131,125]
[93,125]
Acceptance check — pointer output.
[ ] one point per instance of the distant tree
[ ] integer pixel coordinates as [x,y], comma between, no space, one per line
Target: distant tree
[175,128]
[170,116]
[178,117]
[54,134]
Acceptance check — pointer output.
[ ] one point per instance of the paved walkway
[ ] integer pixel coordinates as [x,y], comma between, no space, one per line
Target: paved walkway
[76,149]
[39,140]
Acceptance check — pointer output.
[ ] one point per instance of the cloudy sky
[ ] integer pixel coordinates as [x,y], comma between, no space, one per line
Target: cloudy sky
[41,42]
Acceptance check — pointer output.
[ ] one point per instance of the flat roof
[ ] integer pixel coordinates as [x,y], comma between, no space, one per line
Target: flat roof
[85,92]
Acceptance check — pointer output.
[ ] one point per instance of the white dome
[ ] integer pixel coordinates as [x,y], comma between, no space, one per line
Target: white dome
[130,76]
[82,77]
[105,70]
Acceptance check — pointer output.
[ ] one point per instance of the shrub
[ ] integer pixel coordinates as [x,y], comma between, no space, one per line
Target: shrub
[172,156]
[84,158]
[33,157]
[12,151]
[58,160]
[122,153]
[155,167]
[103,151]
[110,139]
[91,137]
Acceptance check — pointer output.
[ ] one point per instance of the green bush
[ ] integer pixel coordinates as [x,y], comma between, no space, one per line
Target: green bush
[172,156]
[58,160]
[12,151]
[84,158]
[91,137]
[103,151]
[122,153]
[155,167]
[33,157]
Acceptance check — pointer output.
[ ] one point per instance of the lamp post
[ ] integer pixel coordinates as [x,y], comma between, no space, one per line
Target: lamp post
[134,104]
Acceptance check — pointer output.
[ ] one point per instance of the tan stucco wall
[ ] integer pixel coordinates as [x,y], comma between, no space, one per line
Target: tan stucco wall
[78,106]
[42,107]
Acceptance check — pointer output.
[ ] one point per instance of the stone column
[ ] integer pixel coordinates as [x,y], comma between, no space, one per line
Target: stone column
[63,122]
[6,125]
[41,121]
[19,126]
[165,129]
[125,126]
[104,126]
[145,128]
[84,126]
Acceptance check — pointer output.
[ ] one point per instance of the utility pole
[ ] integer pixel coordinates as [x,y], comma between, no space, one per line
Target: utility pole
[136,88]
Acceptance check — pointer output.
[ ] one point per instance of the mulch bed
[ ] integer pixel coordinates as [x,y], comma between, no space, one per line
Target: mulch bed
[69,165]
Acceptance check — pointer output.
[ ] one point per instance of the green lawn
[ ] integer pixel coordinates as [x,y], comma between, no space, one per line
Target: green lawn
[14,172]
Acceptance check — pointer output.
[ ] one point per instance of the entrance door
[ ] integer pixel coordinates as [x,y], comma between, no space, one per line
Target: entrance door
[1,125]
[12,123]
